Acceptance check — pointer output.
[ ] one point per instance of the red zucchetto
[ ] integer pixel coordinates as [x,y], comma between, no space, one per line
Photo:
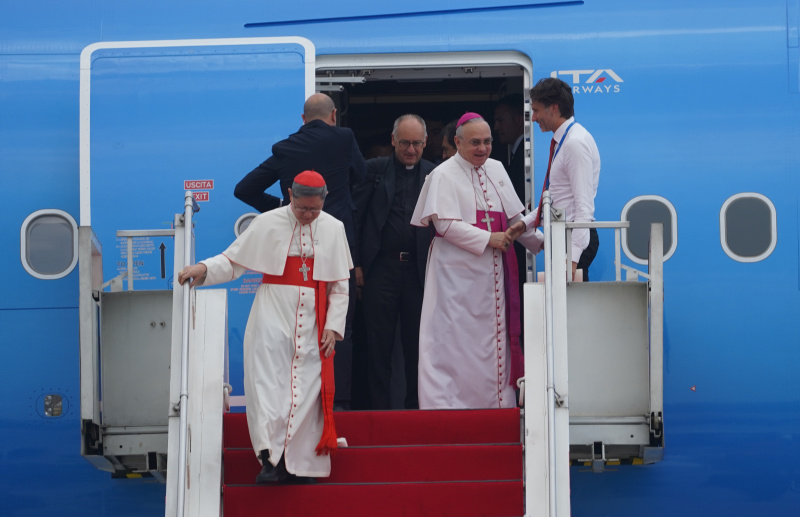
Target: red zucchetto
[311,179]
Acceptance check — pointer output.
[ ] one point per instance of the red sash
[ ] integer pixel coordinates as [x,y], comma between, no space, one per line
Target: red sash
[293,276]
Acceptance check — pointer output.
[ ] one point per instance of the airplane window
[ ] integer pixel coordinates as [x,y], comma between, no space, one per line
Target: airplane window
[49,244]
[748,227]
[243,223]
[641,211]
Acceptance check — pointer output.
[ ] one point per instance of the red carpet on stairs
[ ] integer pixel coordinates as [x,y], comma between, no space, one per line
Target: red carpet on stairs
[457,463]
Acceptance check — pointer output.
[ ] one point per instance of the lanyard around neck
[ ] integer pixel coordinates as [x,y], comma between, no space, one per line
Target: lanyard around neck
[558,148]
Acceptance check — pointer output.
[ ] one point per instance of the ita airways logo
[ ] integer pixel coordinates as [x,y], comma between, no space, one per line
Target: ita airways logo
[590,81]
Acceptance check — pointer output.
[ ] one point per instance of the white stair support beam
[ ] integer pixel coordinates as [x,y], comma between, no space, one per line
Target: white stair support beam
[208,367]
[548,307]
[175,378]
[188,247]
[561,250]
[537,480]
[90,277]
[656,274]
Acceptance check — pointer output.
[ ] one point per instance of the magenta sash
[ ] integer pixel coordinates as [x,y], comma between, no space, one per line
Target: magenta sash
[516,361]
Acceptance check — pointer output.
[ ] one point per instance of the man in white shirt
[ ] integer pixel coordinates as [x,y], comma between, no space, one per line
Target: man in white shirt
[573,170]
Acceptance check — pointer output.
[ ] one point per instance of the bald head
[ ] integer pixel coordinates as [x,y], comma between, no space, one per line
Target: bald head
[319,107]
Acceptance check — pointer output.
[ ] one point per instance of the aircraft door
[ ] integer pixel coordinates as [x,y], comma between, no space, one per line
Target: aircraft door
[159,118]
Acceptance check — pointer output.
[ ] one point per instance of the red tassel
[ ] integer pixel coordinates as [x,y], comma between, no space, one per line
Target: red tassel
[517,365]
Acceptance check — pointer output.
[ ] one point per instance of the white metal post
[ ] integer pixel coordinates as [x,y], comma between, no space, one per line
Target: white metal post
[537,476]
[548,288]
[558,384]
[188,210]
[656,273]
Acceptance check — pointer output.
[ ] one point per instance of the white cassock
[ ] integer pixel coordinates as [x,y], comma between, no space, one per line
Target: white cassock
[281,347]
[464,357]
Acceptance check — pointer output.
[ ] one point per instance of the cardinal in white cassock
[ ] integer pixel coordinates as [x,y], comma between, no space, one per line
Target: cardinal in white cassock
[297,316]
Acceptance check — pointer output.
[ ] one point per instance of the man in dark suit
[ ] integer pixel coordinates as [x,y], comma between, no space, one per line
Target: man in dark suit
[391,266]
[508,129]
[333,152]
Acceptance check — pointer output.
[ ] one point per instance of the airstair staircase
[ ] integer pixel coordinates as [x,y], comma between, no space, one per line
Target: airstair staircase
[593,395]
[448,463]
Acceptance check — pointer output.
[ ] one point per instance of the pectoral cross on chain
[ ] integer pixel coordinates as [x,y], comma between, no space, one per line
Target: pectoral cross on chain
[488,220]
[305,269]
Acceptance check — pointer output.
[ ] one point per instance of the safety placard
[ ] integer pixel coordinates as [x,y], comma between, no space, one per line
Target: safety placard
[198,185]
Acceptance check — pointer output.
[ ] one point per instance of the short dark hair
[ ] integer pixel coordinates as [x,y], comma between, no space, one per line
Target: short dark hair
[551,91]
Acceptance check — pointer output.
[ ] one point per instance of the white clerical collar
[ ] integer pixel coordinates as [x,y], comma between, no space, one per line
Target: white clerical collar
[463,161]
[562,129]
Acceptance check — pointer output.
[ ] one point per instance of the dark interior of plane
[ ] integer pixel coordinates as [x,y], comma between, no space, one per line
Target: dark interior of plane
[439,96]
[369,101]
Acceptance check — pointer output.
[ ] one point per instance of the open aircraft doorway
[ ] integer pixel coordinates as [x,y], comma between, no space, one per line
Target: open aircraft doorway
[371,91]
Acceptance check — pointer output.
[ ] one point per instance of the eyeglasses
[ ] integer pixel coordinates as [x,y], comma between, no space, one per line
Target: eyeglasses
[418,144]
[475,142]
[304,209]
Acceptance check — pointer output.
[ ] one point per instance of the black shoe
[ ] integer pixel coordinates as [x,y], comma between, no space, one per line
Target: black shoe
[299,480]
[272,474]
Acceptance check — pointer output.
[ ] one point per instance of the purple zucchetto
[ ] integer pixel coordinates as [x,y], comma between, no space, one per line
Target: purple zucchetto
[467,117]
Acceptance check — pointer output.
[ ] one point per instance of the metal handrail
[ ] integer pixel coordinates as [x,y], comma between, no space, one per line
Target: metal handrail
[550,353]
[189,207]
[617,226]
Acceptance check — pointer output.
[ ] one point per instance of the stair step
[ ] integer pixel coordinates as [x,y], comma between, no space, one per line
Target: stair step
[426,427]
[447,499]
[400,464]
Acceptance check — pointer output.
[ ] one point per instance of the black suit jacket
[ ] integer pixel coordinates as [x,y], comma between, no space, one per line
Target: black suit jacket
[516,172]
[331,151]
[373,199]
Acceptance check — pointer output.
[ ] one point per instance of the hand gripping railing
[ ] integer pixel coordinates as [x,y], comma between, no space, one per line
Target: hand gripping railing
[189,208]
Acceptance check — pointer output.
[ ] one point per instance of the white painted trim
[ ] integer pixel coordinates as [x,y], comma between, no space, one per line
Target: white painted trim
[773,222]
[23,243]
[674,233]
[248,215]
[85,90]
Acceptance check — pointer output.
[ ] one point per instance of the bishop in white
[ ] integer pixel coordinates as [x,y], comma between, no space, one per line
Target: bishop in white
[469,350]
